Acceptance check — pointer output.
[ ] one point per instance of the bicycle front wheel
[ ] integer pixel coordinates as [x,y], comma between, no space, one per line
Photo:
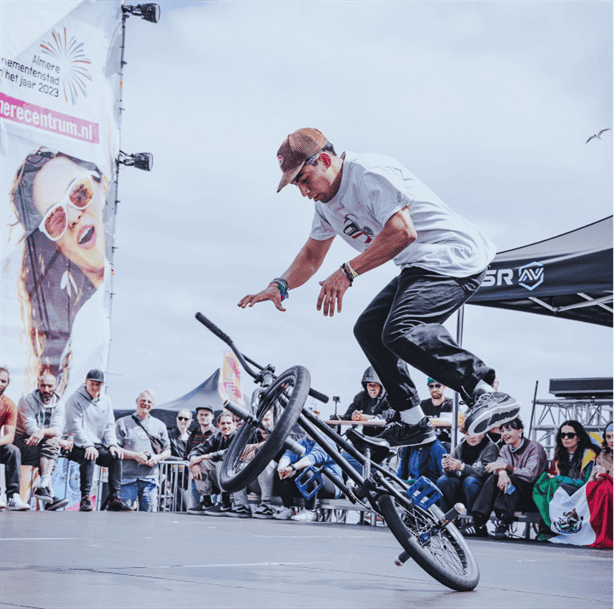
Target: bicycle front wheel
[278,410]
[444,554]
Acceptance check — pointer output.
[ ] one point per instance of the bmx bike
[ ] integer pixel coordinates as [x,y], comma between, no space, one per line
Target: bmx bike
[426,534]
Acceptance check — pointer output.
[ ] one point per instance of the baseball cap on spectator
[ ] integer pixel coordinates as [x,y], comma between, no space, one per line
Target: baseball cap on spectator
[429,380]
[295,150]
[95,375]
[205,407]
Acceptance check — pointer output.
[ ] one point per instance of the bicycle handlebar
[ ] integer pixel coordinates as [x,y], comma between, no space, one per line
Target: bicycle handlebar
[243,359]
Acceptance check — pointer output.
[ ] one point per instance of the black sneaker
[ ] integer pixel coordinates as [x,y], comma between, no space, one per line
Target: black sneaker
[398,433]
[502,531]
[43,493]
[204,505]
[240,511]
[118,505]
[491,409]
[473,530]
[85,505]
[219,509]
[56,504]
[264,511]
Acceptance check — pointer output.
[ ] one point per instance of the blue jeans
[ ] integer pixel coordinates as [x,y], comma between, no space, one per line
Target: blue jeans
[455,489]
[403,325]
[143,490]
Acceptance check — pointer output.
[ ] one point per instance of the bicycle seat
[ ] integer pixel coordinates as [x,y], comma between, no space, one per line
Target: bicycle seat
[378,446]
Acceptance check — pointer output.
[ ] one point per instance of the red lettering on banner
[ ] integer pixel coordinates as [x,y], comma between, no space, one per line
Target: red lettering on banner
[42,118]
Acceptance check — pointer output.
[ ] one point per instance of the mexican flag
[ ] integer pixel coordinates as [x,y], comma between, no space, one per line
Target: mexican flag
[583,518]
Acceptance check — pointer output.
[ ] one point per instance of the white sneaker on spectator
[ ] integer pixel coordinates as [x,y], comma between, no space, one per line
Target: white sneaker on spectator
[2,504]
[304,516]
[17,504]
[284,514]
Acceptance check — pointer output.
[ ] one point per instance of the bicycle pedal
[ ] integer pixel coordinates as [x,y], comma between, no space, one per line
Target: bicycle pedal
[309,482]
[424,493]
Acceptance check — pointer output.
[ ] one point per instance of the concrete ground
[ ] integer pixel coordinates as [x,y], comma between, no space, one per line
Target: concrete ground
[73,560]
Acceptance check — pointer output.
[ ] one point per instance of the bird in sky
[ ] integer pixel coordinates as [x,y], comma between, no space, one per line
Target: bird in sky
[597,135]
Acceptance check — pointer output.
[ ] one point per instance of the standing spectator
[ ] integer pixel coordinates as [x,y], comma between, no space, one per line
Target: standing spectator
[465,472]
[40,423]
[435,405]
[145,443]
[179,435]
[369,403]
[90,420]
[509,488]
[9,453]
[422,460]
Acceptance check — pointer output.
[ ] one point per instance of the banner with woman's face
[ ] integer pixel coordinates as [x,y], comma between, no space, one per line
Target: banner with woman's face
[59,127]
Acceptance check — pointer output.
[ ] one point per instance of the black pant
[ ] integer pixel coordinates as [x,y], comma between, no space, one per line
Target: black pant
[11,458]
[504,505]
[287,490]
[87,466]
[403,325]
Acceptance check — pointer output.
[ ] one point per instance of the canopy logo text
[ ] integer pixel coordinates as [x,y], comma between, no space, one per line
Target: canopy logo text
[529,276]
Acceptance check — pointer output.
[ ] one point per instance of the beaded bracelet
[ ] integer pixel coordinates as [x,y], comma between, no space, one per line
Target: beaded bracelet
[282,284]
[348,274]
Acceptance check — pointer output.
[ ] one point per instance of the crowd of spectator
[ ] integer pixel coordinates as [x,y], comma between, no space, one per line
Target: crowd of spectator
[498,473]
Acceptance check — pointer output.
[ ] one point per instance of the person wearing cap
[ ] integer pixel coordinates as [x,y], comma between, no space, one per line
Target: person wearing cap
[205,429]
[144,441]
[91,424]
[435,405]
[38,435]
[382,210]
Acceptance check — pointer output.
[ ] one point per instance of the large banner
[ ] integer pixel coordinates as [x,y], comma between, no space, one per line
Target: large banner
[59,133]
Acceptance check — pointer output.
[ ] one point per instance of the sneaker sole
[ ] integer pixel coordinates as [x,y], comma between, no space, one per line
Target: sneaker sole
[426,439]
[19,509]
[493,417]
[57,506]
[43,498]
[235,515]
[263,516]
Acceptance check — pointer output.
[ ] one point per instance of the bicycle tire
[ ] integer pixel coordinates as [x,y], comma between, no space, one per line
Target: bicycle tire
[446,556]
[285,397]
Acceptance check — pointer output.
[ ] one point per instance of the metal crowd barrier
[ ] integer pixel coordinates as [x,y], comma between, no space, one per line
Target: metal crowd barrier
[174,481]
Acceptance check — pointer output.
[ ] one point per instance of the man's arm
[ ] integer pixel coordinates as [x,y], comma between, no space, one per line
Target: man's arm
[303,268]
[9,435]
[397,234]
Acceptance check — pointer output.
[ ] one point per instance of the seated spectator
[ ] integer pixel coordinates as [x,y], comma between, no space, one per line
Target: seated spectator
[90,420]
[561,498]
[205,429]
[40,423]
[368,404]
[509,487]
[290,463]
[423,460]
[179,435]
[205,465]
[9,453]
[145,443]
[465,471]
[603,462]
[437,404]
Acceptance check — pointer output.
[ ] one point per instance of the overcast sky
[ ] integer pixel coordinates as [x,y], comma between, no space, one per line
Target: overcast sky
[490,104]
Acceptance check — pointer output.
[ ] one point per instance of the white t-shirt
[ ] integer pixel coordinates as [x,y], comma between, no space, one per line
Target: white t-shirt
[373,188]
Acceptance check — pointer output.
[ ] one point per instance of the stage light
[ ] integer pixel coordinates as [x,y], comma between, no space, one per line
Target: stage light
[140,160]
[149,12]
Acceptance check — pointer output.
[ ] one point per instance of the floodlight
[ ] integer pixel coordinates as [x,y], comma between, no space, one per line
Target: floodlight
[140,160]
[149,12]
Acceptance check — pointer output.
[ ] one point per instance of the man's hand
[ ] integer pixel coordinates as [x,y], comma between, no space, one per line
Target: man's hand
[117,451]
[271,293]
[142,458]
[331,294]
[91,454]
[285,472]
[196,471]
[66,444]
[36,437]
[450,465]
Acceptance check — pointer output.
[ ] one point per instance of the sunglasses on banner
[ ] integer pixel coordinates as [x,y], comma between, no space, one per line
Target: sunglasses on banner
[435,386]
[79,195]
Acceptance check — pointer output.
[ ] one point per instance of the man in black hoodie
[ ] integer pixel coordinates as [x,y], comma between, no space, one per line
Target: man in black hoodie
[369,403]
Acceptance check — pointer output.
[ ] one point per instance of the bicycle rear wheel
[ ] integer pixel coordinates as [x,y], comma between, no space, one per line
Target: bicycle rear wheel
[278,410]
[445,555]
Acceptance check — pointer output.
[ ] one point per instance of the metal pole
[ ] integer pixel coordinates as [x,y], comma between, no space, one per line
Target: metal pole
[460,322]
